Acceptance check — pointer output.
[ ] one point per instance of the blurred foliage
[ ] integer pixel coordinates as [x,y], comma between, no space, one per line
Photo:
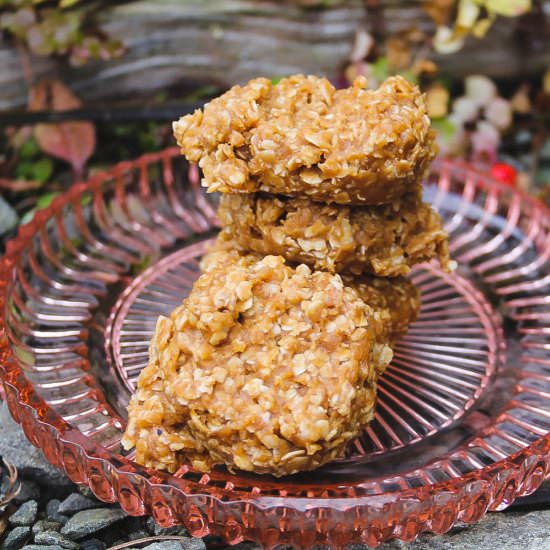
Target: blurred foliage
[62,28]
[74,142]
[474,119]
[473,17]
[33,164]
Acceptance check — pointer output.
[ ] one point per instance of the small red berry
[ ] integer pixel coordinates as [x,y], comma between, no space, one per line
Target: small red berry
[504,173]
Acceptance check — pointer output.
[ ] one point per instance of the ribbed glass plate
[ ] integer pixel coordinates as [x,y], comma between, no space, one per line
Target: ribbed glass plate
[462,423]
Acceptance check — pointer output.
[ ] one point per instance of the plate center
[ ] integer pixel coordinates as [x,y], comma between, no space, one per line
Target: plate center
[439,371]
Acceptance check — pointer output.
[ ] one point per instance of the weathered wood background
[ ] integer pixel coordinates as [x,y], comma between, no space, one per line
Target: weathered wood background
[171,42]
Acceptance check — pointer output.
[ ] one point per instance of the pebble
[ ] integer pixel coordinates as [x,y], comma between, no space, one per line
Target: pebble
[191,543]
[29,460]
[52,511]
[76,502]
[187,543]
[45,525]
[138,535]
[86,491]
[16,538]
[92,544]
[157,530]
[87,522]
[41,547]
[167,545]
[53,537]
[26,514]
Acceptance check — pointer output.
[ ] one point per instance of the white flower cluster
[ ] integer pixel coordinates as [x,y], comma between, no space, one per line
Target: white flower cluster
[482,108]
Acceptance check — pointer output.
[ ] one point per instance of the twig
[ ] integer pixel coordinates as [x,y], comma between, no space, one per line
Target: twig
[17,186]
[13,485]
[147,539]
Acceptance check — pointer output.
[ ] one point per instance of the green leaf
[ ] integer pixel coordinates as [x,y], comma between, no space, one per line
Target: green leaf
[380,69]
[24,170]
[141,265]
[275,80]
[68,3]
[444,127]
[45,200]
[410,76]
[209,91]
[42,169]
[28,149]
[23,355]
[508,8]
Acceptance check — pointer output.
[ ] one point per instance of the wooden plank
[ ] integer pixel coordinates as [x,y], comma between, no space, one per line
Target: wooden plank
[171,42]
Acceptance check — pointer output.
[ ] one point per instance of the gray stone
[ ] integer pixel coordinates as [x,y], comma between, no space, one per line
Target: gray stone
[76,502]
[87,522]
[167,545]
[186,543]
[45,525]
[92,544]
[135,535]
[502,530]
[16,538]
[28,460]
[191,543]
[157,530]
[53,537]
[26,513]
[86,491]
[8,217]
[52,511]
[41,547]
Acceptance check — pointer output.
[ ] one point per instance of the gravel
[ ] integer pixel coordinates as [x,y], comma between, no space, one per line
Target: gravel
[193,544]
[26,514]
[45,525]
[92,544]
[52,511]
[140,534]
[16,538]
[167,545]
[157,530]
[28,460]
[87,522]
[53,537]
[187,544]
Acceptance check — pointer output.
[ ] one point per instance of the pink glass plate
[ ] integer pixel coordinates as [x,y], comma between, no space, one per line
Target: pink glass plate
[463,421]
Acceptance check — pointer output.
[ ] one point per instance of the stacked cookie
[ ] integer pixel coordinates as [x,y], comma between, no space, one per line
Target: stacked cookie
[271,363]
[324,177]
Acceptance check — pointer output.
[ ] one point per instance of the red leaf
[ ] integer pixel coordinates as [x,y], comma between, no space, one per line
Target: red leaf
[70,141]
[54,95]
[73,142]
